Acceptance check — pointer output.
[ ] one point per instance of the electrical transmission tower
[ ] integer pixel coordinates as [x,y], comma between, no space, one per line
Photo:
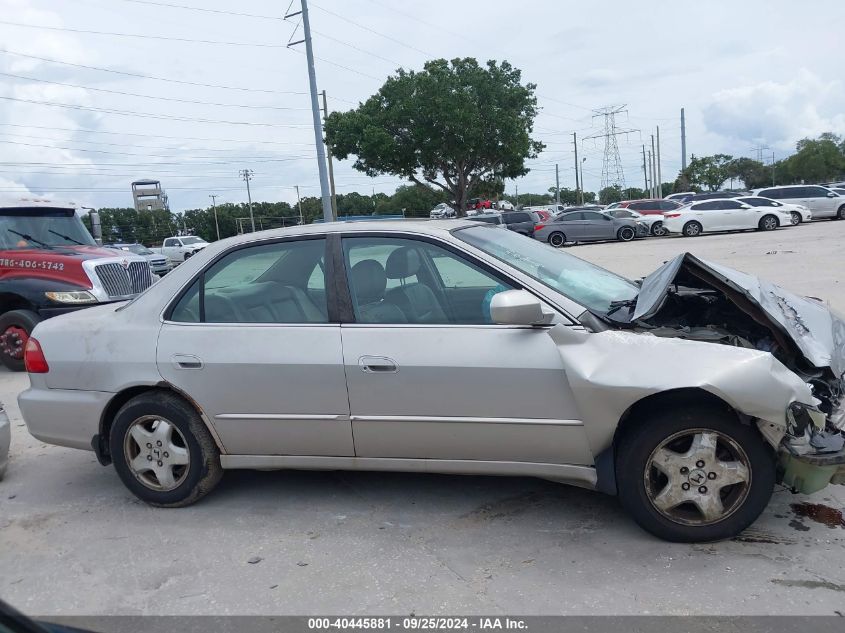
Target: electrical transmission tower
[611,167]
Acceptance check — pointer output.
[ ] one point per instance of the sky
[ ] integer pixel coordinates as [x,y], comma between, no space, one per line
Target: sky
[97,93]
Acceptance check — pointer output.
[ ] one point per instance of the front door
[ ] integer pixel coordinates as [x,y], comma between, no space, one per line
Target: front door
[429,376]
[251,343]
[597,226]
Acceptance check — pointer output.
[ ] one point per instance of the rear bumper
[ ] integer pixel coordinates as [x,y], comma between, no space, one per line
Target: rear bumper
[5,440]
[63,417]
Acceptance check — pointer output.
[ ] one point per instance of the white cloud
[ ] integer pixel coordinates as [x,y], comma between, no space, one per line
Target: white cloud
[778,113]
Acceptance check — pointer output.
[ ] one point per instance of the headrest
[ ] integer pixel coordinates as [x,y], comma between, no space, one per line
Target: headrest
[368,281]
[403,262]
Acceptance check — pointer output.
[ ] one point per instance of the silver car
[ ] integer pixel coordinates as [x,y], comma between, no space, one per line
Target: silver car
[586,225]
[453,347]
[159,264]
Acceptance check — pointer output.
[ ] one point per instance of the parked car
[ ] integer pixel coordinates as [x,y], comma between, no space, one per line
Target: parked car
[178,249]
[479,203]
[542,214]
[5,440]
[587,226]
[49,265]
[823,202]
[653,206]
[654,222]
[723,215]
[159,264]
[495,219]
[505,205]
[442,210]
[659,392]
[522,222]
[552,209]
[838,190]
[681,196]
[799,213]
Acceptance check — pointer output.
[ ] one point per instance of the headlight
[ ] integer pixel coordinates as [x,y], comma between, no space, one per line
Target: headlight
[71,296]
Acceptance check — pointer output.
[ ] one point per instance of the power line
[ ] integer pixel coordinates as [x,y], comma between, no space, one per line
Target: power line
[145,96]
[151,77]
[170,5]
[148,115]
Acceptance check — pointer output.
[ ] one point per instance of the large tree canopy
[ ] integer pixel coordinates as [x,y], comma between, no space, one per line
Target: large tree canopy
[455,126]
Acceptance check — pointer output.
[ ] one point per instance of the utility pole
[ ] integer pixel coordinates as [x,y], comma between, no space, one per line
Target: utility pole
[213,197]
[659,173]
[329,158]
[557,184]
[683,141]
[517,195]
[299,204]
[315,110]
[645,173]
[247,175]
[773,169]
[653,169]
[583,160]
[577,180]
[650,174]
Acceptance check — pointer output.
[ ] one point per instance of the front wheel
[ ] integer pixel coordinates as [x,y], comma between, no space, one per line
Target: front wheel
[15,328]
[163,452]
[795,218]
[768,223]
[657,229]
[694,475]
[557,239]
[840,215]
[625,234]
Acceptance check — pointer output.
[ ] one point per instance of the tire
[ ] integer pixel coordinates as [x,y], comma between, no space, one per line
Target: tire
[692,229]
[840,214]
[641,484]
[626,234]
[557,239]
[15,329]
[796,218]
[768,223]
[657,229]
[194,459]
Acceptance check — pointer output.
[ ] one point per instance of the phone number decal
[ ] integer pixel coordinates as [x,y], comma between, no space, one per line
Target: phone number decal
[32,264]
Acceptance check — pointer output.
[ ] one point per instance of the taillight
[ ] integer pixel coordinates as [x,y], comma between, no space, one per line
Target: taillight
[537,227]
[33,357]
[671,215]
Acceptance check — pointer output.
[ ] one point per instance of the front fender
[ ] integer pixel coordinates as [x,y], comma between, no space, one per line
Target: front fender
[611,371]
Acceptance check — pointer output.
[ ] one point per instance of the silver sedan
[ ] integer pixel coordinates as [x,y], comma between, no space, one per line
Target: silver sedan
[451,347]
[574,225]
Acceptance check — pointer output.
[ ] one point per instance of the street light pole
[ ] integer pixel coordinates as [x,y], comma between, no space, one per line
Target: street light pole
[213,197]
[247,175]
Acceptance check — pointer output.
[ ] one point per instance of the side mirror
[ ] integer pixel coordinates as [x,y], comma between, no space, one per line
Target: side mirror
[518,307]
[832,194]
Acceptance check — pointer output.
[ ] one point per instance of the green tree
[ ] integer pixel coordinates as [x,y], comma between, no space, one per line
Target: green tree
[708,171]
[815,160]
[613,193]
[450,127]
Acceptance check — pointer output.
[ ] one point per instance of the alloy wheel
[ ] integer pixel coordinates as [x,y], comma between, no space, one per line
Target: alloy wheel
[697,477]
[770,223]
[796,218]
[156,453]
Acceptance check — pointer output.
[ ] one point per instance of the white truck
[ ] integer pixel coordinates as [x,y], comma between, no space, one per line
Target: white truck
[178,249]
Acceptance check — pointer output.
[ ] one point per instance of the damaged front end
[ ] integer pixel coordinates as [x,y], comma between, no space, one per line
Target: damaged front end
[689,298]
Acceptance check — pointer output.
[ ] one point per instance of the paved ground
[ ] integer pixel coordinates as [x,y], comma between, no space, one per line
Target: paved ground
[74,541]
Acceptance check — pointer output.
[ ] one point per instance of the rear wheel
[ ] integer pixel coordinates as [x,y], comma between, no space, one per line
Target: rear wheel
[840,215]
[557,239]
[768,223]
[163,452]
[626,234]
[15,328]
[795,218]
[692,229]
[694,475]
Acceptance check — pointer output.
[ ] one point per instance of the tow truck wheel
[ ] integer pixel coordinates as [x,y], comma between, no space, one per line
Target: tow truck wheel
[15,328]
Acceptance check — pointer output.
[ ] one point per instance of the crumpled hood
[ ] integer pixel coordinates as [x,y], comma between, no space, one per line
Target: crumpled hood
[817,331]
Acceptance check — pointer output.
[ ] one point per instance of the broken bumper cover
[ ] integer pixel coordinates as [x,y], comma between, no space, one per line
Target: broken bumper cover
[810,472]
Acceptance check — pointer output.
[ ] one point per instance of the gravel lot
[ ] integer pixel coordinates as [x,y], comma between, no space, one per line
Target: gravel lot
[74,541]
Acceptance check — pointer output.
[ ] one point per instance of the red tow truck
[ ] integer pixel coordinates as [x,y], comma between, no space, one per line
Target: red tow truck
[49,265]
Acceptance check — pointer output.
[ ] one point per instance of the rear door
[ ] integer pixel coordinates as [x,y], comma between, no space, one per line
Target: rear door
[251,342]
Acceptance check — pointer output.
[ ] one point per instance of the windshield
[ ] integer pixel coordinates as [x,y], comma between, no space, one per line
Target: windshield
[42,228]
[584,283]
[193,240]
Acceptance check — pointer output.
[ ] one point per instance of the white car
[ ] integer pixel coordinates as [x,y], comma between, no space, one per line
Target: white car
[178,249]
[798,212]
[654,221]
[822,201]
[729,214]
[504,205]
[442,210]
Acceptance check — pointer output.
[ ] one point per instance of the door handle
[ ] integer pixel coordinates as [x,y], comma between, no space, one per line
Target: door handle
[377,365]
[187,361]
